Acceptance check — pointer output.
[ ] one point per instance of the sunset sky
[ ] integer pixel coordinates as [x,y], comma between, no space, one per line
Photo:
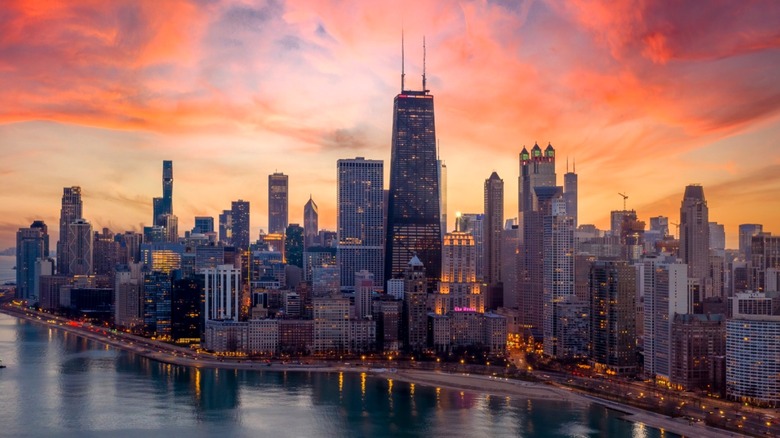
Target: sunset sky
[647,97]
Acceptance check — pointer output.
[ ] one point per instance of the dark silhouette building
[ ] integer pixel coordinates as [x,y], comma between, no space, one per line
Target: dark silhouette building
[239,214]
[413,213]
[70,211]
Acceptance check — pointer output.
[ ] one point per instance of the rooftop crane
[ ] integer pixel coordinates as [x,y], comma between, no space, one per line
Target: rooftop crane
[624,200]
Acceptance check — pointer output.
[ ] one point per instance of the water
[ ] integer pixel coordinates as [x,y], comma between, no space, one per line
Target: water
[7,272]
[58,384]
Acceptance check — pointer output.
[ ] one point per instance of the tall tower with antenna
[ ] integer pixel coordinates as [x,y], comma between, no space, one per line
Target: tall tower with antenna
[413,207]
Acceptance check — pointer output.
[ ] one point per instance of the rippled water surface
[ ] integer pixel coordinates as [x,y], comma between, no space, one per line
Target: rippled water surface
[57,384]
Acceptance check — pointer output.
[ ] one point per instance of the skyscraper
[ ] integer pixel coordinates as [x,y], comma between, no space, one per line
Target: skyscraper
[240,216]
[613,316]
[537,177]
[443,195]
[695,234]
[277,203]
[570,191]
[414,208]
[494,225]
[311,230]
[164,205]
[364,287]
[558,280]
[70,211]
[665,285]
[31,244]
[360,218]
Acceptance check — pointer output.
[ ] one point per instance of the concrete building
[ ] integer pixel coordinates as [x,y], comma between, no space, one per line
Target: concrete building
[753,351]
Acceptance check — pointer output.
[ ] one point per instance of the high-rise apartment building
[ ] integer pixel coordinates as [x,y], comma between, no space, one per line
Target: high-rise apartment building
[494,225]
[277,202]
[753,351]
[222,288]
[360,218]
[311,230]
[70,211]
[226,227]
[414,204]
[239,214]
[665,284]
[558,279]
[31,244]
[415,324]
[613,298]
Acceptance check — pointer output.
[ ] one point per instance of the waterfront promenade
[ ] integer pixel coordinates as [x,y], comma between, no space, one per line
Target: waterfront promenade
[467,382]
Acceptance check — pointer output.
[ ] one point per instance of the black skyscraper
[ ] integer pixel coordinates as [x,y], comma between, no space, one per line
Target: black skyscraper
[164,205]
[413,215]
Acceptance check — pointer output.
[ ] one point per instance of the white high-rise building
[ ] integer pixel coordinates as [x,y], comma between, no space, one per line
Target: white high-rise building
[222,291]
[665,286]
[559,252]
[753,351]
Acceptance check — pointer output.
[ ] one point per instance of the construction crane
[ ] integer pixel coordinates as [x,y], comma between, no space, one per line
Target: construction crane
[624,200]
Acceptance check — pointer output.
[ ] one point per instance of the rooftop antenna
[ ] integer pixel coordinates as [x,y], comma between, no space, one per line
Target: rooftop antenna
[567,164]
[438,148]
[624,200]
[574,165]
[425,90]
[402,60]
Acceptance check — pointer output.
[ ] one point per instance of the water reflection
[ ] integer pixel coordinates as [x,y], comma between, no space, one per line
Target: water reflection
[66,386]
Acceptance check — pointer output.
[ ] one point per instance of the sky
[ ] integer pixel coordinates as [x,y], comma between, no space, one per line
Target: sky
[646,97]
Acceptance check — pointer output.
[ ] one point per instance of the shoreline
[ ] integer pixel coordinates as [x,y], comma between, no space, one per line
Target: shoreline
[479,384]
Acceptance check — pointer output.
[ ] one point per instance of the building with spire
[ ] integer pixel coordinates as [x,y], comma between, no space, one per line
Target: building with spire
[537,179]
[311,230]
[277,203]
[164,205]
[414,204]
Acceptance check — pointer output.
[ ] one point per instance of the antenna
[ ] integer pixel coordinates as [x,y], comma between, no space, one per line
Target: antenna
[567,164]
[438,148]
[624,200]
[402,60]
[424,89]
[574,165]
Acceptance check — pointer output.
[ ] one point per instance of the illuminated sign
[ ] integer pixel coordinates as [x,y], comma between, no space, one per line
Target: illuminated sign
[465,309]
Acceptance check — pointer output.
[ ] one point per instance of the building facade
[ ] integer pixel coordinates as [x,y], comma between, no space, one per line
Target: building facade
[360,218]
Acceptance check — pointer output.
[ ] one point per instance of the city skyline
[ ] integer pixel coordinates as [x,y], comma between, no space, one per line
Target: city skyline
[646,102]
